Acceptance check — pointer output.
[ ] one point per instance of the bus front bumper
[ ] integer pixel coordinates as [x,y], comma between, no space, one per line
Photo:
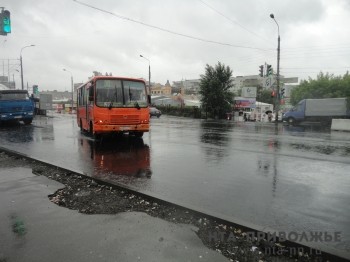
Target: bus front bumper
[102,128]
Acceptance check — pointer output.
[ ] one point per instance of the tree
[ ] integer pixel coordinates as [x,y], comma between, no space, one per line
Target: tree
[324,86]
[215,85]
[264,95]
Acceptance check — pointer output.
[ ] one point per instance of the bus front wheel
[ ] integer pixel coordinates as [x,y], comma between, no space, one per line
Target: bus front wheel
[91,129]
[138,134]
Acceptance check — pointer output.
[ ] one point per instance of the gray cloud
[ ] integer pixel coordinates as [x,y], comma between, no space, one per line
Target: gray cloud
[80,39]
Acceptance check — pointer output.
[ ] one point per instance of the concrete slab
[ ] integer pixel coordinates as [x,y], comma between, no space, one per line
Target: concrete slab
[341,125]
[34,229]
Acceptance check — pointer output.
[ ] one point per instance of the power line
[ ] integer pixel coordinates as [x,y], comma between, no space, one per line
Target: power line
[317,47]
[232,21]
[313,72]
[300,68]
[167,30]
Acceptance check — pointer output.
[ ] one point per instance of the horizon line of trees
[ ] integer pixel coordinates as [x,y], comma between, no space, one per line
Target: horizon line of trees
[325,85]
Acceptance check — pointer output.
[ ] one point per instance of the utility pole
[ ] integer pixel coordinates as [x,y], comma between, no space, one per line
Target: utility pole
[149,78]
[71,79]
[22,65]
[277,100]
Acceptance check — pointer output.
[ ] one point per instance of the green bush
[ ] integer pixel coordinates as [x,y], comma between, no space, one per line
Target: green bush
[186,111]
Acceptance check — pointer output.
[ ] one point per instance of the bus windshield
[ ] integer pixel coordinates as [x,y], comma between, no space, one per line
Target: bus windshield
[13,96]
[120,93]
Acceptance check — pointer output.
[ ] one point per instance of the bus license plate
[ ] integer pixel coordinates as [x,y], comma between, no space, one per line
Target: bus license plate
[124,128]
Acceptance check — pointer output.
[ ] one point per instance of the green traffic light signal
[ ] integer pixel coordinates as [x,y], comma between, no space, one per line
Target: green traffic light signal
[35,89]
[5,22]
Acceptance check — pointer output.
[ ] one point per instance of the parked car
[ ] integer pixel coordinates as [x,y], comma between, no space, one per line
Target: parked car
[153,111]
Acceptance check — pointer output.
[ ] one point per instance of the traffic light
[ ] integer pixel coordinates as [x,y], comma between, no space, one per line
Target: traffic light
[5,22]
[282,92]
[35,90]
[261,71]
[273,93]
[269,70]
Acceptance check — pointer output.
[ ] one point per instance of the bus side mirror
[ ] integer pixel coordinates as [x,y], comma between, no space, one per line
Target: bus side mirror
[91,98]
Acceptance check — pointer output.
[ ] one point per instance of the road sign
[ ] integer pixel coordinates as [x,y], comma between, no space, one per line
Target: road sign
[268,81]
[249,91]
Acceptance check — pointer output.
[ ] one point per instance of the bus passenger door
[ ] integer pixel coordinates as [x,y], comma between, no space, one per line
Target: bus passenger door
[90,107]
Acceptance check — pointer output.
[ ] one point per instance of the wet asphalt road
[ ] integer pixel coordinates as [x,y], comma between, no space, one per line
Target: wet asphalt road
[289,179]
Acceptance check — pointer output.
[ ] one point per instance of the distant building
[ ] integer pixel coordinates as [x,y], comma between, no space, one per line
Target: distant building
[159,89]
[241,81]
[4,80]
[187,86]
[59,95]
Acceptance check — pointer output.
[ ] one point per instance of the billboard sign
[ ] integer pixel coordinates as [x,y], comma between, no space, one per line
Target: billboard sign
[241,102]
[249,91]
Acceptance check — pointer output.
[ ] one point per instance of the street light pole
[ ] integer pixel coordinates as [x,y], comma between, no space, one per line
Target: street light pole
[149,78]
[20,59]
[71,78]
[277,100]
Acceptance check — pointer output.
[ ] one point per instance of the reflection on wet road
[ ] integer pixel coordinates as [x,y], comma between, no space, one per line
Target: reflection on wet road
[289,179]
[118,159]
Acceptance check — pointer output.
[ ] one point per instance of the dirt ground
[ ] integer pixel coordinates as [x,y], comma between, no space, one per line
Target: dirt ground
[89,196]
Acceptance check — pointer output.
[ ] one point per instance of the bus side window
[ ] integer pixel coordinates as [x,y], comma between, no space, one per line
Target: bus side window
[91,93]
[79,97]
[83,98]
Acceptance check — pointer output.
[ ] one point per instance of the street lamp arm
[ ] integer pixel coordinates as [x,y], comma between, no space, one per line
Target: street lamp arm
[68,71]
[25,47]
[278,27]
[145,58]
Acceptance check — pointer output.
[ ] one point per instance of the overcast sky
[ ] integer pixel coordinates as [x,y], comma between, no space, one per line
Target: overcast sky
[315,36]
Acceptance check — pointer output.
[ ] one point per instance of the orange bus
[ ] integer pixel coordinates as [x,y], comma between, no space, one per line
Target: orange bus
[107,104]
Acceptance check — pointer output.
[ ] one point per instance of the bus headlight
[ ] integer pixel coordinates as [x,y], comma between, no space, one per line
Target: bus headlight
[101,122]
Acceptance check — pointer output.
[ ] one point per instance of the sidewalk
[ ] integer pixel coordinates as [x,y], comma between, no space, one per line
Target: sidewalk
[34,229]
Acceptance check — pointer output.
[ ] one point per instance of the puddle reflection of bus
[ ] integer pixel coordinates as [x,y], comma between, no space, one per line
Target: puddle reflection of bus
[114,159]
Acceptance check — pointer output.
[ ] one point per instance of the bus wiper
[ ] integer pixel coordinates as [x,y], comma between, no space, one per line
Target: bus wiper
[130,95]
[116,97]
[136,103]
[116,93]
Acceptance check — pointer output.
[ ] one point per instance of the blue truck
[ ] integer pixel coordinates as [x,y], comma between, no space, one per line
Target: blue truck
[318,110]
[16,105]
